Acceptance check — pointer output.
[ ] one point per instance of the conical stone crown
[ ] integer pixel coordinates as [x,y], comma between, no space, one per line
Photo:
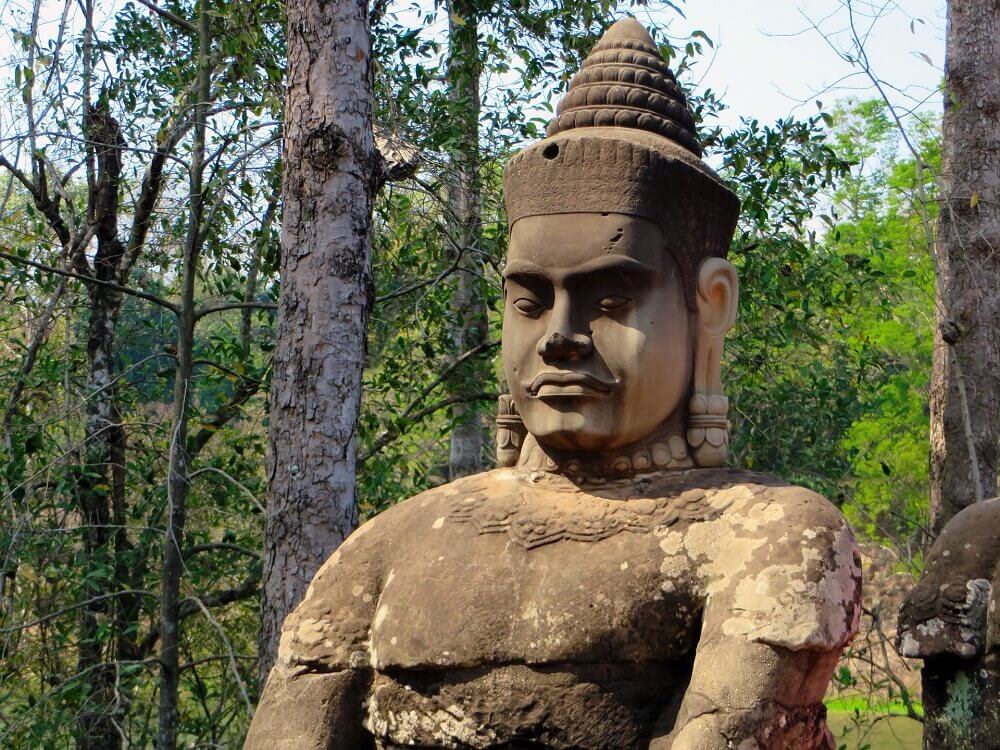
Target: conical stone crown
[623,142]
[624,82]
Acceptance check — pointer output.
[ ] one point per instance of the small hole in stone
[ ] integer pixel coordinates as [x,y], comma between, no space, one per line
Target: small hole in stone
[551,151]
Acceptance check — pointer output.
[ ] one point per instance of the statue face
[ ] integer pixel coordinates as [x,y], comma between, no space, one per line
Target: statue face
[597,341]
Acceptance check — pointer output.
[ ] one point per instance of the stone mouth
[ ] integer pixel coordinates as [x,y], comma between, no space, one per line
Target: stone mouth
[565,383]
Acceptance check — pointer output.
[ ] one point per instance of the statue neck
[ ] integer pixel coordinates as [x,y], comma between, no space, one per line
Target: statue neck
[666,449]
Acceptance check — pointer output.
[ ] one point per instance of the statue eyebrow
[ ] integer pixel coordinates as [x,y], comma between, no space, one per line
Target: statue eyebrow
[598,266]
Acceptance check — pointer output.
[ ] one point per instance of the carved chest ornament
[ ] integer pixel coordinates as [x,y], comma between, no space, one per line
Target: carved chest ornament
[533,519]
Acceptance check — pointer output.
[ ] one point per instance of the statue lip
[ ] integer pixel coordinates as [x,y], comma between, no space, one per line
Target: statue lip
[563,383]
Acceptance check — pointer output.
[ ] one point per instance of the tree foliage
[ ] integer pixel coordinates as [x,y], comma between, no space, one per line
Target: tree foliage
[827,369]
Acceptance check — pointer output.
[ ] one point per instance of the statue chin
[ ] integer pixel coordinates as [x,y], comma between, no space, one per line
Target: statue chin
[589,426]
[560,434]
[571,424]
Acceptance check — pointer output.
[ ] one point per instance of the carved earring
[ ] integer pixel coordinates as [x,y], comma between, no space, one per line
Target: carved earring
[708,429]
[510,432]
[708,423]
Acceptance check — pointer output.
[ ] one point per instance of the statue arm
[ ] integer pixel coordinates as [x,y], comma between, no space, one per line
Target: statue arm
[742,690]
[774,624]
[314,696]
[302,710]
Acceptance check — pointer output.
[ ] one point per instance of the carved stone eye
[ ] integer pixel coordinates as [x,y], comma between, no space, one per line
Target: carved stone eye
[527,306]
[614,303]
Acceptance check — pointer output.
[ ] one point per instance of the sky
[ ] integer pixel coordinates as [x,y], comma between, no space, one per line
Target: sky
[769,62]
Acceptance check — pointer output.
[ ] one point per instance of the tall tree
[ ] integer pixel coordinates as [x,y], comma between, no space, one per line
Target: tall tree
[465,128]
[179,471]
[464,221]
[326,294]
[965,385]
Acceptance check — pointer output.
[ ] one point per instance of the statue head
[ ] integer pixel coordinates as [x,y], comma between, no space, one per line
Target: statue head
[617,290]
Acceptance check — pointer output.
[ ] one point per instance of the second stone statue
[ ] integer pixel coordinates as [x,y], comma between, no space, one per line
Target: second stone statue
[611,585]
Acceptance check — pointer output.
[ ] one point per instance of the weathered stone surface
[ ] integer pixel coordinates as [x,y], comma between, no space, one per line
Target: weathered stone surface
[946,613]
[516,606]
[611,586]
[951,619]
[311,711]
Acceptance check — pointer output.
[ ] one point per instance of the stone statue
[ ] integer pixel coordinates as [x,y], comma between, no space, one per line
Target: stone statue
[951,620]
[610,586]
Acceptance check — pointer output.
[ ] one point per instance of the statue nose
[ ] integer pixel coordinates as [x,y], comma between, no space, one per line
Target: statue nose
[560,346]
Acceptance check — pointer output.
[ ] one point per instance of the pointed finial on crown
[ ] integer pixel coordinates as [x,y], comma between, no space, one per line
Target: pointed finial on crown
[626,30]
[624,82]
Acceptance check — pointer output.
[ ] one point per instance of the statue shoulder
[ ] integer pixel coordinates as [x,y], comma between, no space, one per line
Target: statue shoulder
[792,568]
[805,511]
[329,629]
[375,541]
[441,498]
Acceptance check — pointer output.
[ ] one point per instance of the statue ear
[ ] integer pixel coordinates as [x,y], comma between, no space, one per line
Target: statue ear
[717,298]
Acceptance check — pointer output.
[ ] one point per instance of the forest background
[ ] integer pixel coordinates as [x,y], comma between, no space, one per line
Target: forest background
[140,165]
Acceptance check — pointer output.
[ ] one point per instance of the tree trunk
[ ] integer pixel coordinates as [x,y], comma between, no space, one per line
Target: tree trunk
[965,386]
[100,484]
[179,471]
[326,295]
[103,439]
[464,224]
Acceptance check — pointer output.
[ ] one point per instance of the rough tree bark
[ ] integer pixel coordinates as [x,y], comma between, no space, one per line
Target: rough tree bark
[330,171]
[967,339]
[464,222]
[100,478]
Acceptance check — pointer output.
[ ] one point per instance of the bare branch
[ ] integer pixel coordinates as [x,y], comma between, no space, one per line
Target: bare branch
[40,195]
[395,432]
[72,607]
[232,480]
[213,546]
[203,311]
[19,175]
[30,355]
[209,659]
[229,650]
[258,251]
[152,185]
[221,368]
[452,366]
[426,282]
[172,17]
[245,590]
[91,280]
[246,390]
